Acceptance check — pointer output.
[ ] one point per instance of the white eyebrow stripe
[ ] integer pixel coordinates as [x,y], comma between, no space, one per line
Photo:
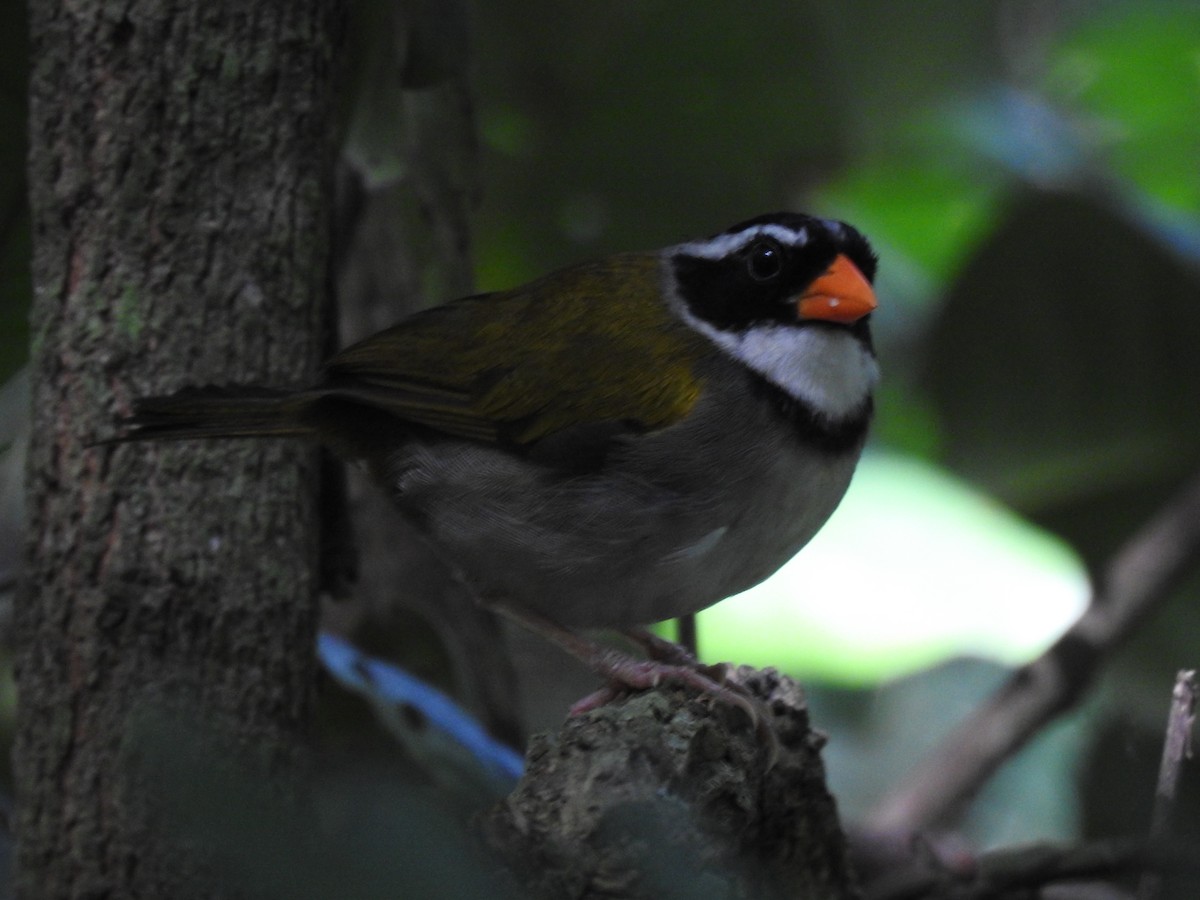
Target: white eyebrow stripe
[725,244]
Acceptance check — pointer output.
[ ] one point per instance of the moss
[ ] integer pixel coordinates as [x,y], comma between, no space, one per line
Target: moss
[129,314]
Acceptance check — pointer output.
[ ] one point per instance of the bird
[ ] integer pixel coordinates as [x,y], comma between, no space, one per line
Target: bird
[619,442]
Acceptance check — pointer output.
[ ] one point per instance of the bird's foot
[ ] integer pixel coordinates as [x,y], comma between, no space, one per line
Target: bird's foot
[669,664]
[623,674]
[660,648]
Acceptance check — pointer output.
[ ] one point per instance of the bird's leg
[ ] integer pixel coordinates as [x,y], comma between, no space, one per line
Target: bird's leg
[687,634]
[622,671]
[663,650]
[660,648]
[667,651]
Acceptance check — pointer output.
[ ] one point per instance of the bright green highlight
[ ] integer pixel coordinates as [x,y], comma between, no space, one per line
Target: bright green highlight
[927,214]
[1134,78]
[913,568]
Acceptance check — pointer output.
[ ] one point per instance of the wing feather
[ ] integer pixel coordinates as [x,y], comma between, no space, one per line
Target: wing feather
[597,345]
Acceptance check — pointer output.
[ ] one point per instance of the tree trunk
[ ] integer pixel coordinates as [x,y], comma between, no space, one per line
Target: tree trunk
[179,159]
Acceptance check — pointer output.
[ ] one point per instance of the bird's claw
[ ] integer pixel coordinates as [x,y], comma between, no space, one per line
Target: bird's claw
[625,673]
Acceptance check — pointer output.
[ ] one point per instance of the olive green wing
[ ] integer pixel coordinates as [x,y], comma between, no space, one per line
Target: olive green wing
[590,345]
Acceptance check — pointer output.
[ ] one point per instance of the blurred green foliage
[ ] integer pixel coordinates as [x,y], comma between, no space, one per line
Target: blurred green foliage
[1130,78]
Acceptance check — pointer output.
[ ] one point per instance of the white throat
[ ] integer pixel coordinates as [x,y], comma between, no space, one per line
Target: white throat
[829,369]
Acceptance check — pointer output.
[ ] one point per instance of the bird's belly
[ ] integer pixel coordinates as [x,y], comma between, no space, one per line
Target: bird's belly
[768,525]
[617,549]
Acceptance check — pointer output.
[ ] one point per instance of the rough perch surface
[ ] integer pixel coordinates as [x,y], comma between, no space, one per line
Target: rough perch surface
[665,794]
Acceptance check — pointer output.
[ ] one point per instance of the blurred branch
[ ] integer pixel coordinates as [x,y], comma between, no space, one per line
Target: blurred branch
[1176,748]
[1136,580]
[1019,872]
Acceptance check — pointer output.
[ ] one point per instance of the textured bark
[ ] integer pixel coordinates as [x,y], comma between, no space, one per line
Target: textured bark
[178,180]
[668,795]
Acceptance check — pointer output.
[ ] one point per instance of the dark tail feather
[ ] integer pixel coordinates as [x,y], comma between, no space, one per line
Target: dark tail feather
[215,412]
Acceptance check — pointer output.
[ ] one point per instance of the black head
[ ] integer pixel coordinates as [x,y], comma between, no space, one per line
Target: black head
[755,272]
[788,297]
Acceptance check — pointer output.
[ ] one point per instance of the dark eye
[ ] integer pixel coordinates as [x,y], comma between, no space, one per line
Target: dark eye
[764,260]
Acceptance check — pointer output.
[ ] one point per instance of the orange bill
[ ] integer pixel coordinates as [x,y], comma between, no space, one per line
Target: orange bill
[842,294]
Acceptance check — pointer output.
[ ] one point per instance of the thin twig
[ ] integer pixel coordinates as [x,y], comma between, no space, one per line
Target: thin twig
[1136,580]
[685,634]
[1176,748]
